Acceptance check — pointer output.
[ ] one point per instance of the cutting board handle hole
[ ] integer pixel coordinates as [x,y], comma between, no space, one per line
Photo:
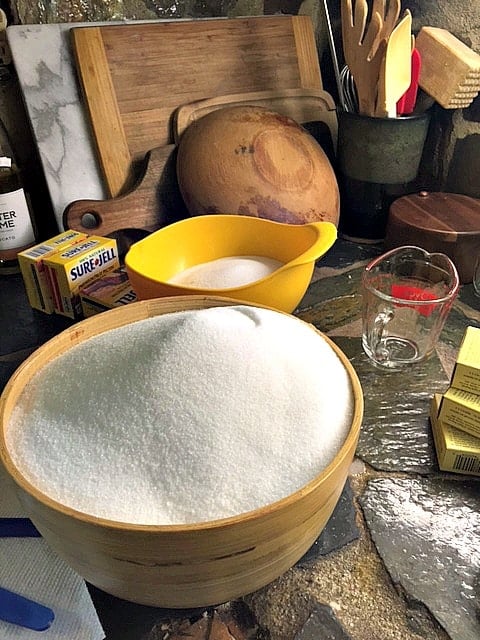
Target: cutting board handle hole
[91,220]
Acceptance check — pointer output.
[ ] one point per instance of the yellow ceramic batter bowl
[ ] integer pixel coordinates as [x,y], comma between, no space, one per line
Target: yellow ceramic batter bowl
[153,261]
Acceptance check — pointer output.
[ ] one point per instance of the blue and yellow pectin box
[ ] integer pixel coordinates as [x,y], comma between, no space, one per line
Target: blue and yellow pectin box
[107,292]
[75,267]
[34,271]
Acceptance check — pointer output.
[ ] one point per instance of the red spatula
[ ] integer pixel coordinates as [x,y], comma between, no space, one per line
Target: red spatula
[406,104]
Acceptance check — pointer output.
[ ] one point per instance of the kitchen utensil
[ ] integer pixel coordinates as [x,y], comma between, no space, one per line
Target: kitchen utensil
[178,566]
[302,105]
[358,41]
[450,71]
[135,75]
[19,610]
[17,528]
[151,262]
[251,161]
[438,222]
[406,104]
[389,19]
[333,53]
[395,73]
[349,90]
[407,294]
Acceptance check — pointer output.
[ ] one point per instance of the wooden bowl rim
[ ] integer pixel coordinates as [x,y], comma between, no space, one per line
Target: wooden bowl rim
[143,310]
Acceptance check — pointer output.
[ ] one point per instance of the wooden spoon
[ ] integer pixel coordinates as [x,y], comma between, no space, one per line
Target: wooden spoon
[358,43]
[390,17]
[395,74]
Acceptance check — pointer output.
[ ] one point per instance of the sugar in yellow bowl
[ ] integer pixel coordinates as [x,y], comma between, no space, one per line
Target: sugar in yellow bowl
[245,258]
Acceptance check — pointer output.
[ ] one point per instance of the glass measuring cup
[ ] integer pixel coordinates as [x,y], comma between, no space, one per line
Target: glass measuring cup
[407,294]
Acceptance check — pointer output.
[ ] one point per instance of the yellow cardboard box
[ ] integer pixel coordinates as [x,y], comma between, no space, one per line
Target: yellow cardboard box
[34,272]
[461,410]
[457,451]
[466,374]
[109,291]
[74,268]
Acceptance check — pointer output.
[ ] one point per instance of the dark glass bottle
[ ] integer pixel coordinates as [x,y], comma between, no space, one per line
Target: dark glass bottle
[16,226]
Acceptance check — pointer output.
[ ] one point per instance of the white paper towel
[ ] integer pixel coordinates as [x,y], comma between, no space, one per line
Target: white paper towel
[30,567]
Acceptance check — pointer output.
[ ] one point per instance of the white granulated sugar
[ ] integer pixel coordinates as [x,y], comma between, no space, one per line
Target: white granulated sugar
[226,273]
[184,417]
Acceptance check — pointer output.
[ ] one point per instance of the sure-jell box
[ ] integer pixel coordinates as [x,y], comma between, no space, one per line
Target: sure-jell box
[466,374]
[74,268]
[107,292]
[34,272]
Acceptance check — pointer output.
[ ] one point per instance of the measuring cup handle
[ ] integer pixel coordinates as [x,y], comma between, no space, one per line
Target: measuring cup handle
[476,277]
[379,324]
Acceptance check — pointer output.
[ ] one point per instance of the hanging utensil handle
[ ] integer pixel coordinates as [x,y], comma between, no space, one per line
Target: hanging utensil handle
[333,53]
[17,609]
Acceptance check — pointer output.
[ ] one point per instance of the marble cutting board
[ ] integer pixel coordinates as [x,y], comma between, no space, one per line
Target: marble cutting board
[45,67]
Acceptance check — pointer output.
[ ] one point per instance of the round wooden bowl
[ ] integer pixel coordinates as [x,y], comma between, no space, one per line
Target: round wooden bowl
[178,566]
[253,161]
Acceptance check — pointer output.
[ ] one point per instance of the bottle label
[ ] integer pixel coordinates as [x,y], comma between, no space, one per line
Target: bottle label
[16,229]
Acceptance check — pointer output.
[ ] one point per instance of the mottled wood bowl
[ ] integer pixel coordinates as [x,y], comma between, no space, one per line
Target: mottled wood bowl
[178,566]
[253,161]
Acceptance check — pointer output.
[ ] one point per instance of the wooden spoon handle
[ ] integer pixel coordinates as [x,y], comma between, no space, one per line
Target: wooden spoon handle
[390,18]
[360,20]
[349,45]
[364,47]
[372,34]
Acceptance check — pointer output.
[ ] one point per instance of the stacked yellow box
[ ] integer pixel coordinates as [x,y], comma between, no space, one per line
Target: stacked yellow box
[75,275]
[34,271]
[107,292]
[457,450]
[455,414]
[72,269]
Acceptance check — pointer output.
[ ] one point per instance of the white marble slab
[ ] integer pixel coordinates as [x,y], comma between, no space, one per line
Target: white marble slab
[44,64]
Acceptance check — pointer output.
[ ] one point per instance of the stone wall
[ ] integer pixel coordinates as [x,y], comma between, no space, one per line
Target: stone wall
[42,12]
[456,135]
[452,152]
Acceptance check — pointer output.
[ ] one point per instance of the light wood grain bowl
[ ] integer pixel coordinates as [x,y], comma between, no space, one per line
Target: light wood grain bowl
[178,566]
[253,161]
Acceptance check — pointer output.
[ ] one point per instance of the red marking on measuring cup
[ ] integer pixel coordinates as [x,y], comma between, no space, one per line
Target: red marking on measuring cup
[408,292]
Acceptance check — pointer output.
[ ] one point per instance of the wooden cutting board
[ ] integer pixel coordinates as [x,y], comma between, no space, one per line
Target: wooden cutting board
[135,75]
[303,105]
[438,222]
[153,203]
[155,200]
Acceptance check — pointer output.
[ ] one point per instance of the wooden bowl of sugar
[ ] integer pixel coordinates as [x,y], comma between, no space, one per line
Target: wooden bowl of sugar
[182,452]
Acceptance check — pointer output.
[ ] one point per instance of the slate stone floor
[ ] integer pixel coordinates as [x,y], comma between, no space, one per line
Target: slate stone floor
[399,558]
